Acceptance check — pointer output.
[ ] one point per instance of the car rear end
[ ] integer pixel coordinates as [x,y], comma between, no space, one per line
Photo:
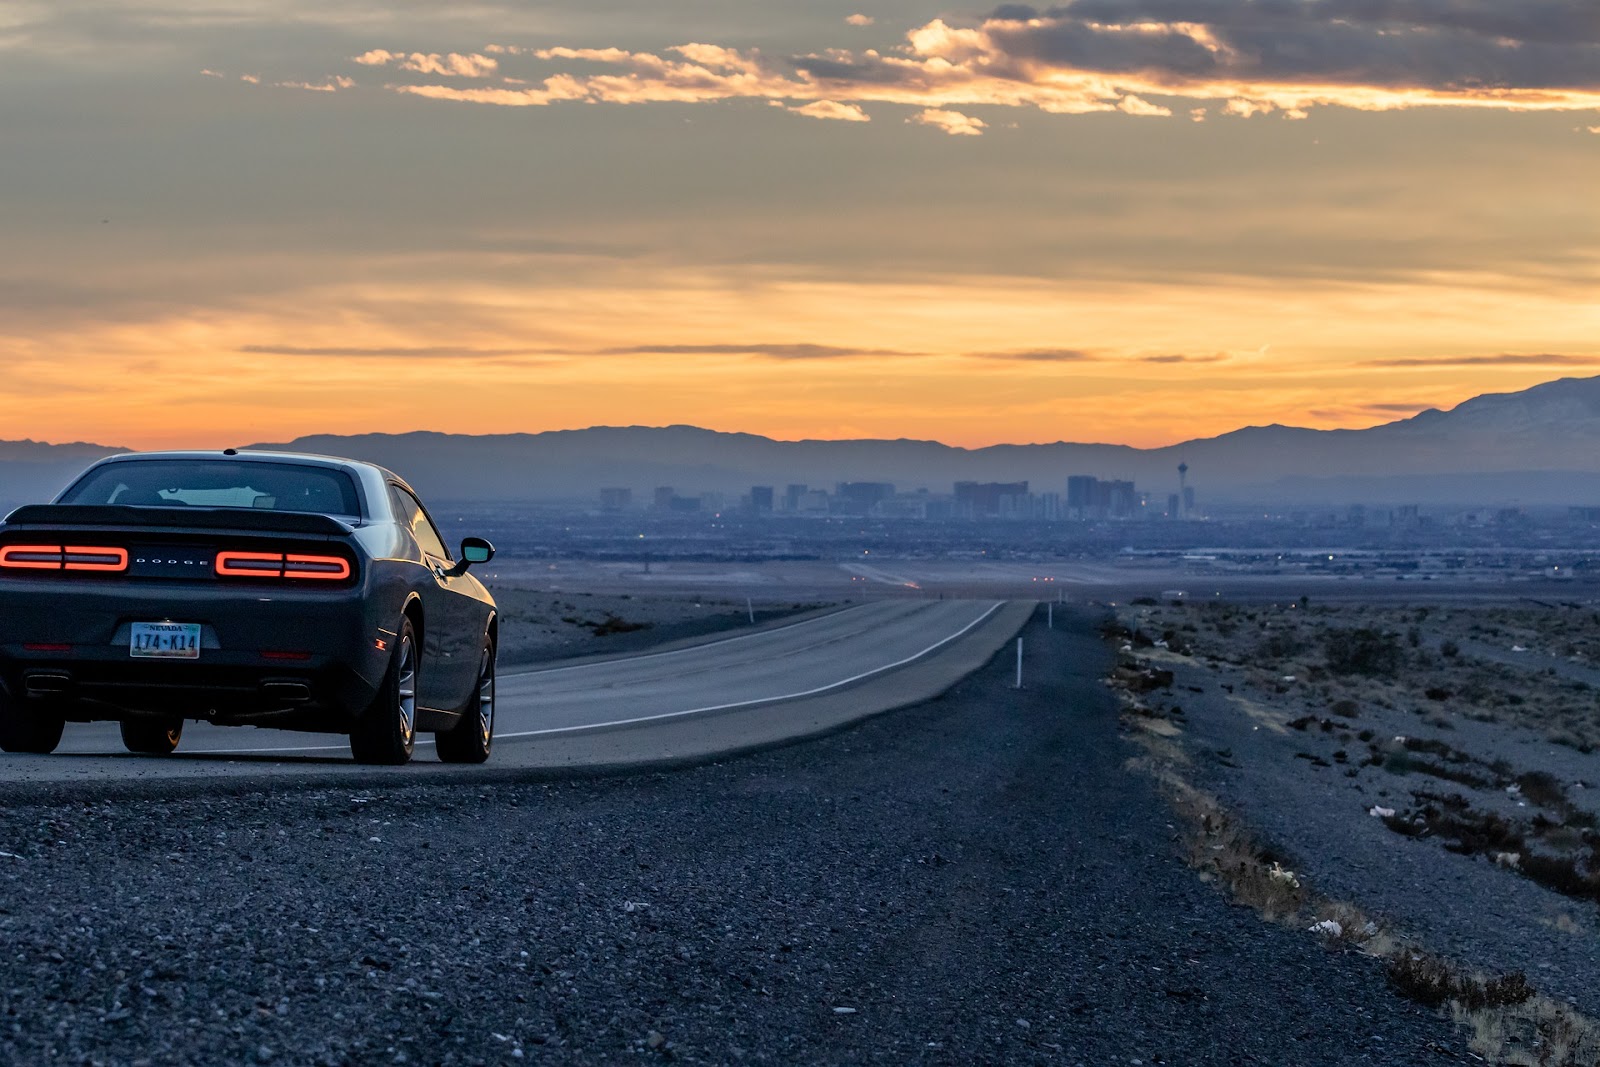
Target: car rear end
[235,615]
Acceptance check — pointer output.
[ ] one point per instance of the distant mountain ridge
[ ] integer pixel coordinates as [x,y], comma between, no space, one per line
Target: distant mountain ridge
[1537,446]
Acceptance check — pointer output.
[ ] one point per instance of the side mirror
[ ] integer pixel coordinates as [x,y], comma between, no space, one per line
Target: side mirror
[476,550]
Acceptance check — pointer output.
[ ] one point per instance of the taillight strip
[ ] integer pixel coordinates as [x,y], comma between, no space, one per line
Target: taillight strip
[31,557]
[96,558]
[281,565]
[70,558]
[328,568]
[250,564]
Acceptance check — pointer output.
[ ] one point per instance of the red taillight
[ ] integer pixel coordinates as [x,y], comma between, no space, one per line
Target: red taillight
[31,557]
[38,646]
[250,564]
[281,565]
[331,568]
[59,558]
[95,558]
[295,656]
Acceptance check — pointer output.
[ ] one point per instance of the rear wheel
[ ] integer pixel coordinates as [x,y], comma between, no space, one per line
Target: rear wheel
[28,729]
[386,732]
[470,739]
[151,737]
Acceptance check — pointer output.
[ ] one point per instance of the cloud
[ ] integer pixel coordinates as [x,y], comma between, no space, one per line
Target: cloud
[1138,57]
[1079,355]
[398,352]
[1504,359]
[1040,355]
[952,122]
[860,20]
[452,65]
[830,109]
[332,85]
[1132,105]
[769,351]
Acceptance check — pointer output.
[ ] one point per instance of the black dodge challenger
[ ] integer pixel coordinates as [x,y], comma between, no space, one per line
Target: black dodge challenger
[243,588]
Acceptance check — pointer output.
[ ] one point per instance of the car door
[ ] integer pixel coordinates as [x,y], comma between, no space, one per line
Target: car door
[453,620]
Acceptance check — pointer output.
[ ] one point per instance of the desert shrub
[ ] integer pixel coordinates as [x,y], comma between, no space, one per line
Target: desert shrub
[1449,649]
[1280,645]
[1431,981]
[1366,651]
[613,624]
[1543,789]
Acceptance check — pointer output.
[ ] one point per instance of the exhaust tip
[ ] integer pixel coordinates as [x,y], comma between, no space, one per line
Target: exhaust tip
[287,692]
[46,683]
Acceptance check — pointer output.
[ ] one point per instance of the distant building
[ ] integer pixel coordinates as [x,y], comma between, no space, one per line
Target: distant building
[982,500]
[616,499]
[1090,498]
[682,504]
[664,496]
[1081,494]
[761,499]
[812,502]
[859,498]
[792,495]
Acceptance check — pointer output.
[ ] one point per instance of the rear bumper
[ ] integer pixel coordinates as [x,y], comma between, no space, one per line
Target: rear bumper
[306,658]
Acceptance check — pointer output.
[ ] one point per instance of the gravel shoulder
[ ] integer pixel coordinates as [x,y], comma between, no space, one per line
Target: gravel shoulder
[974,879]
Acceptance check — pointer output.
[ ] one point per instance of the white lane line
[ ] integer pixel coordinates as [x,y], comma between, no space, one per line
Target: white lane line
[665,715]
[761,700]
[691,648]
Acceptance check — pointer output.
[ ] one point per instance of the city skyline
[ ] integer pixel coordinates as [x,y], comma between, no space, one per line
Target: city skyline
[1093,222]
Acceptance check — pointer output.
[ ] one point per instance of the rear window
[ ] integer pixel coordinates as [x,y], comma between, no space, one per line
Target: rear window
[218,484]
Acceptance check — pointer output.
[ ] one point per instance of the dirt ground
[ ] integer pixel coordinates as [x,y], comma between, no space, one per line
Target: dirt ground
[1436,765]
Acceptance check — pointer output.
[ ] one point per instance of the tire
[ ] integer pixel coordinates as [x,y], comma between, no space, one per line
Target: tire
[151,737]
[386,733]
[470,740]
[28,729]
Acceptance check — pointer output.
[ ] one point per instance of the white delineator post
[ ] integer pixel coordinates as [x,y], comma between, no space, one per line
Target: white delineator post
[1050,615]
[750,608]
[1019,663]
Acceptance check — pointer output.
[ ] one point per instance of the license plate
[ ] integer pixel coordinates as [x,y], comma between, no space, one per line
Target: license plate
[165,640]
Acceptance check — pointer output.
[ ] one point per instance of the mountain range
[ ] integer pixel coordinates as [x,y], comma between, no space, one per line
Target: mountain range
[1540,446]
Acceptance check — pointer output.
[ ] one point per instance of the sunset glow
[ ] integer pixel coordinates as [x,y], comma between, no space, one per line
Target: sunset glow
[1095,223]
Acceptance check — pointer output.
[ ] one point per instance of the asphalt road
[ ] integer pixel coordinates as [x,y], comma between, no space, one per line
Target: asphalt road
[716,697]
[976,879]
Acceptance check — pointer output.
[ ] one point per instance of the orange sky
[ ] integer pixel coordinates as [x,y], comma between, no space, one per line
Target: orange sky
[304,220]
